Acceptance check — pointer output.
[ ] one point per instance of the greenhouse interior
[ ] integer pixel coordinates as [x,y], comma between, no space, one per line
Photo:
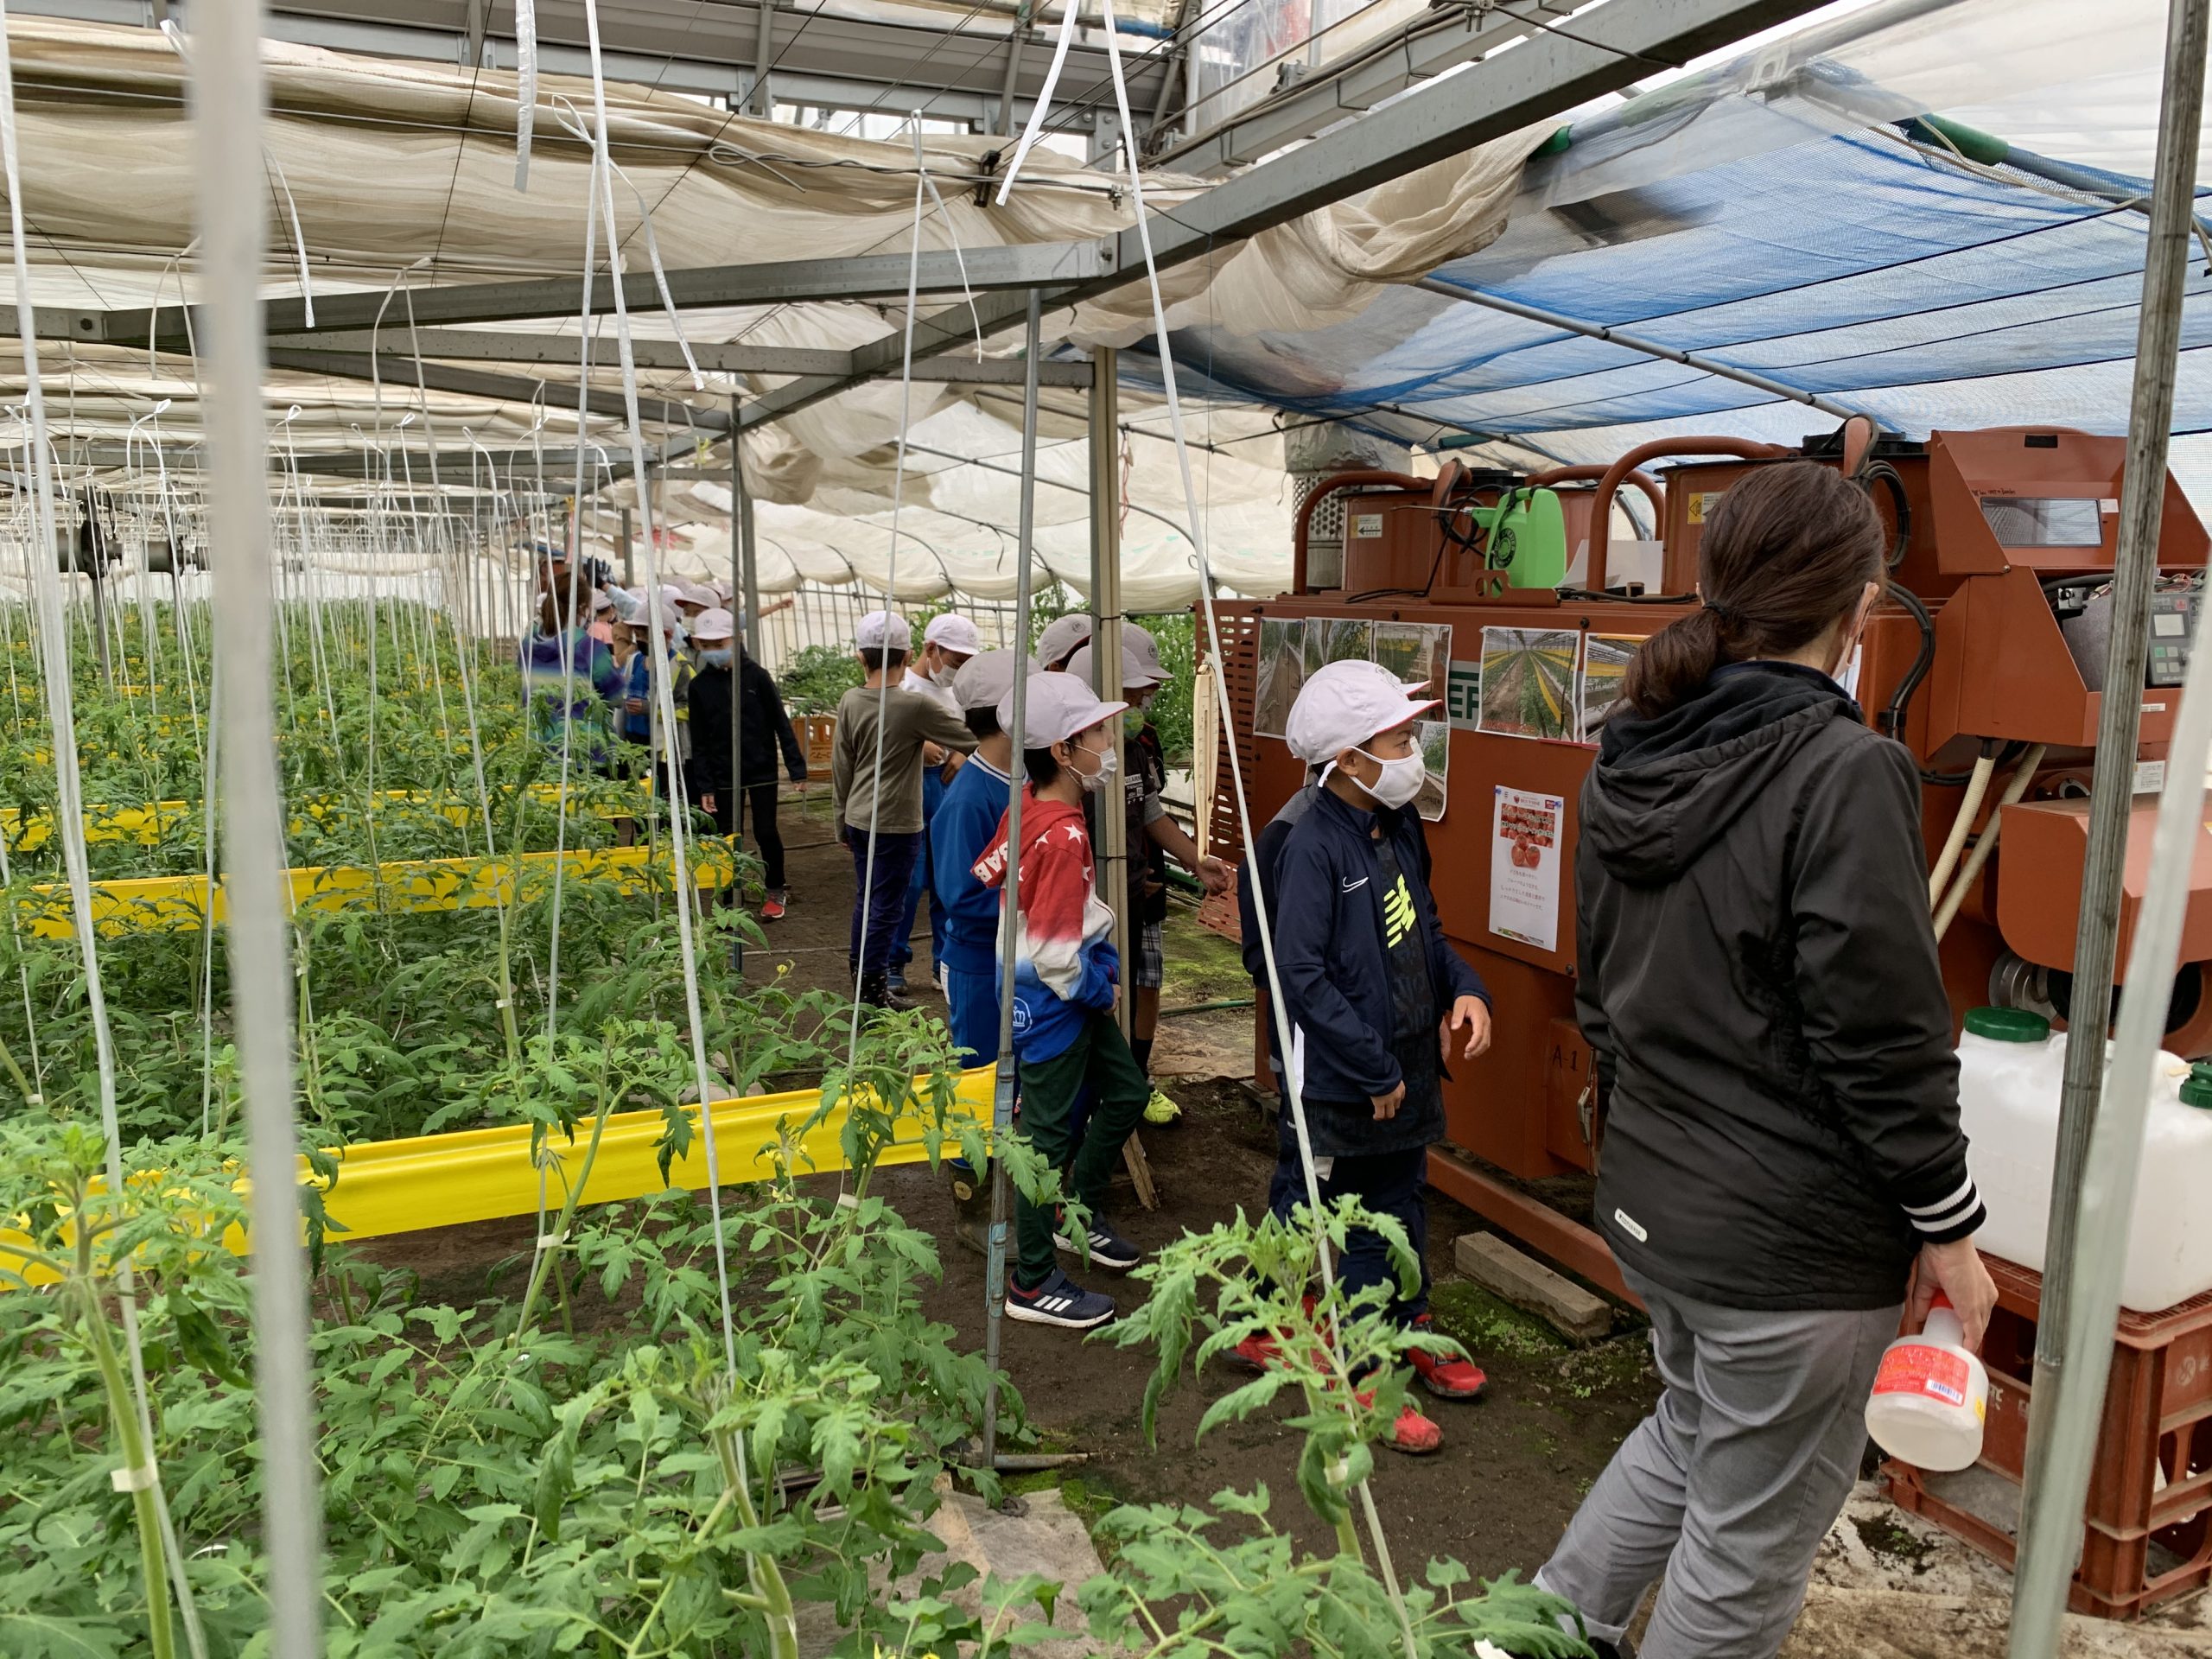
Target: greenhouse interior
[590,1070]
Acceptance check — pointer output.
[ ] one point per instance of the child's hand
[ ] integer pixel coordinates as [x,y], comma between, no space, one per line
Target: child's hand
[1468,1011]
[1386,1106]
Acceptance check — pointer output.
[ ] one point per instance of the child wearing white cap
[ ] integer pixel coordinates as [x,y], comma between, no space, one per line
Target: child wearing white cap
[949,641]
[966,819]
[1377,1000]
[1152,836]
[1061,637]
[1065,985]
[876,718]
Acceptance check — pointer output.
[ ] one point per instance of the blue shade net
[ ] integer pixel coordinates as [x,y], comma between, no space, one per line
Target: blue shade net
[1922,289]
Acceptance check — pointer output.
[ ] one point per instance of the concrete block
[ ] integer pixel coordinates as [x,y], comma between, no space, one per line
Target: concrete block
[1527,1283]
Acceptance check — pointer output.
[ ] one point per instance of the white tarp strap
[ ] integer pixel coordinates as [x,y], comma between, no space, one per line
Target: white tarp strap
[1044,104]
[525,87]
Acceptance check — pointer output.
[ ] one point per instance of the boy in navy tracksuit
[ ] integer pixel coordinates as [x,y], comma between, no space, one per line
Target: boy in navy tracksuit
[1377,1000]
[963,824]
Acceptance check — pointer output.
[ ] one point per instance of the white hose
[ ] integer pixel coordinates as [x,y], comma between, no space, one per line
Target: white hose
[1977,787]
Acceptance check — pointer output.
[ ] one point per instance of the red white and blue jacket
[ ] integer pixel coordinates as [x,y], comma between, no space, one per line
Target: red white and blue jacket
[1064,966]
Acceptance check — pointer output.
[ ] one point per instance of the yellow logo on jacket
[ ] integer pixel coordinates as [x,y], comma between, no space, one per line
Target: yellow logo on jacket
[1397,913]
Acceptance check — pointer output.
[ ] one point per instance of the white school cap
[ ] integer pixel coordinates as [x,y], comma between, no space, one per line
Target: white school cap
[1062,635]
[712,626]
[881,631]
[952,632]
[1344,705]
[984,681]
[1135,675]
[1140,640]
[1057,706]
[696,594]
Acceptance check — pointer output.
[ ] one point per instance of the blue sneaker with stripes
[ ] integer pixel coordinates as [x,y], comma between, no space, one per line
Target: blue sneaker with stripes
[1108,1248]
[1059,1300]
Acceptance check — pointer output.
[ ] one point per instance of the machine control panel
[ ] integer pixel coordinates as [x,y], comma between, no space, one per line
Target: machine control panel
[2173,625]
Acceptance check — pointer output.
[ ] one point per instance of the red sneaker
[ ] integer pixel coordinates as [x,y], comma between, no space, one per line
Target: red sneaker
[1413,1433]
[1458,1378]
[771,907]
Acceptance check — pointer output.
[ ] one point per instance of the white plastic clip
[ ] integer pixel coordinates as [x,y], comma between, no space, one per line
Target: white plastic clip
[848,1201]
[140,1479]
[552,1241]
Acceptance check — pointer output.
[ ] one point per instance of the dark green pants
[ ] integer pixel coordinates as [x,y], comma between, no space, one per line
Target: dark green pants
[1100,1058]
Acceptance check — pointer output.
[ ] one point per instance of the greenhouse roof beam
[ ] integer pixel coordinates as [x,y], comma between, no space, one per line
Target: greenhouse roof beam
[705,48]
[1544,75]
[1022,265]
[487,345]
[404,373]
[1367,74]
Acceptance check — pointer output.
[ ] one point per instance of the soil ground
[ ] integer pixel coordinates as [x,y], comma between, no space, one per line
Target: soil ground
[1514,1464]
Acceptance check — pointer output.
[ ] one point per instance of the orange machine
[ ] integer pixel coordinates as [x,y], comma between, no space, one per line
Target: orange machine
[1992,642]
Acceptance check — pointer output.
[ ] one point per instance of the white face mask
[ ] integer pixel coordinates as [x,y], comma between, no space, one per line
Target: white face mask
[1401,780]
[1108,764]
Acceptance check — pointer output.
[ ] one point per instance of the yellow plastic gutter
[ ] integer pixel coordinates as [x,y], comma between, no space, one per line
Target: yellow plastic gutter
[444,1181]
[388,1187]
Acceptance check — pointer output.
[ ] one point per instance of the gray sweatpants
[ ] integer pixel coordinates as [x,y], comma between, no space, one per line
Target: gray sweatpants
[1729,1486]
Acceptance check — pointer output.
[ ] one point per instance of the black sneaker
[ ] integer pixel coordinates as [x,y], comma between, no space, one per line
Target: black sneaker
[1107,1248]
[1059,1300]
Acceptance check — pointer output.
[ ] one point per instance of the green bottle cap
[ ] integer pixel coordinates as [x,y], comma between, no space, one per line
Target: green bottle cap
[2007,1025]
[2196,1087]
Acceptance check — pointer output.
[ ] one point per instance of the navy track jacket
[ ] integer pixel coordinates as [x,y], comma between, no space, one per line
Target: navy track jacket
[1330,949]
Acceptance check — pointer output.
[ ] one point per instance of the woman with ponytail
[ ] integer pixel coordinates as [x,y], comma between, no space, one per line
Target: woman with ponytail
[1783,1171]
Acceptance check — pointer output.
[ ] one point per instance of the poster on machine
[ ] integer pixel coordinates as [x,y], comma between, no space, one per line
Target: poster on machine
[1418,653]
[1528,683]
[1337,640]
[1525,866]
[1282,672]
[1605,657]
[1434,737]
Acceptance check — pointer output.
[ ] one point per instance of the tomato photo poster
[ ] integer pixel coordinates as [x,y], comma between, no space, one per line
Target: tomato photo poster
[1524,867]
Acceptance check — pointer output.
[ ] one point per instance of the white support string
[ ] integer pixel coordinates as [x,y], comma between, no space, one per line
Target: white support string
[54,649]
[228,112]
[1044,104]
[686,891]
[1292,1086]
[891,586]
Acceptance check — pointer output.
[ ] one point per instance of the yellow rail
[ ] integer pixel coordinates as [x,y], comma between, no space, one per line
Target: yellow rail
[147,824]
[156,904]
[387,1187]
[443,1180]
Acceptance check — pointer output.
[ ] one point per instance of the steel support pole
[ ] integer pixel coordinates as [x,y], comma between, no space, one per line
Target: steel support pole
[1115,854]
[2051,1526]
[739,645]
[629,577]
[1014,38]
[1002,1095]
[762,101]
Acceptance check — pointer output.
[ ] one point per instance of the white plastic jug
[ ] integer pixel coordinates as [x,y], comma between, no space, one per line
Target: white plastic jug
[1930,1397]
[2011,1070]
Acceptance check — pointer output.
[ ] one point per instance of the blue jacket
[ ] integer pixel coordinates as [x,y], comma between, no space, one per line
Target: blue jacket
[965,821]
[1330,949]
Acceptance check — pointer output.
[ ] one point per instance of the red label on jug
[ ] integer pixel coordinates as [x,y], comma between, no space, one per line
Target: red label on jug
[1935,1372]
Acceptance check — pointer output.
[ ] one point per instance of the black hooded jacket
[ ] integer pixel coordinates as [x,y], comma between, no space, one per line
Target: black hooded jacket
[1759,980]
